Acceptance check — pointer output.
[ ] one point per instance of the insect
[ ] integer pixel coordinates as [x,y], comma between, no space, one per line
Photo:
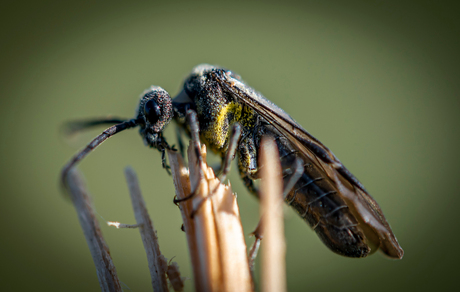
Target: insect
[233,117]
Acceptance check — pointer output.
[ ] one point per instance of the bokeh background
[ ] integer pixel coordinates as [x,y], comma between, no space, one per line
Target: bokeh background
[376,81]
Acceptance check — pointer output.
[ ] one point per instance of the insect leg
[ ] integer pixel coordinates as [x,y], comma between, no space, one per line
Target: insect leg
[248,181]
[235,136]
[93,145]
[253,252]
[296,174]
[232,146]
[194,133]
[180,142]
[163,161]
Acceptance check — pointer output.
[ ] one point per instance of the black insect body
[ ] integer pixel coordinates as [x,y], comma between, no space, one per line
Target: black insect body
[337,206]
[327,195]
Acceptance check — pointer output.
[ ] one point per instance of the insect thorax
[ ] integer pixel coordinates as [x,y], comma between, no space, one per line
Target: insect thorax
[217,111]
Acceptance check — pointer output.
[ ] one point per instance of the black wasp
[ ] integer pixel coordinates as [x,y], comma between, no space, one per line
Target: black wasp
[233,117]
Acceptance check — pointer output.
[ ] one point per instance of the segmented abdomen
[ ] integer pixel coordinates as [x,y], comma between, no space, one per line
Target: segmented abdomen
[317,200]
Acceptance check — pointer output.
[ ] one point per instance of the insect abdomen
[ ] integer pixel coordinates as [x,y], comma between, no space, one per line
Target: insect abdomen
[316,200]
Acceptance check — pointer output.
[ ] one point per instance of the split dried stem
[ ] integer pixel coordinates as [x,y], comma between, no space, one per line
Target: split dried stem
[215,234]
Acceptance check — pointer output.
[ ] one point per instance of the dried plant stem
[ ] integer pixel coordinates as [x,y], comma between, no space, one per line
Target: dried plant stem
[274,249]
[205,229]
[182,186]
[157,263]
[215,235]
[106,272]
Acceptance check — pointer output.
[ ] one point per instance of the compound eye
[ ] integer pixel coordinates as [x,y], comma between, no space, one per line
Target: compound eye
[152,111]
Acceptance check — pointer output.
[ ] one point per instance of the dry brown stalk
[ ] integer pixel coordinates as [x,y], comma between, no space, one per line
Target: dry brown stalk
[215,234]
[106,272]
[274,248]
[157,263]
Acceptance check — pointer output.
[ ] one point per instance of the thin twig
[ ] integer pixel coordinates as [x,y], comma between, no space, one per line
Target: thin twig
[106,272]
[157,265]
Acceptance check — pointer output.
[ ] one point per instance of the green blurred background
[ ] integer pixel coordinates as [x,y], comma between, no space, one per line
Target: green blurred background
[376,81]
